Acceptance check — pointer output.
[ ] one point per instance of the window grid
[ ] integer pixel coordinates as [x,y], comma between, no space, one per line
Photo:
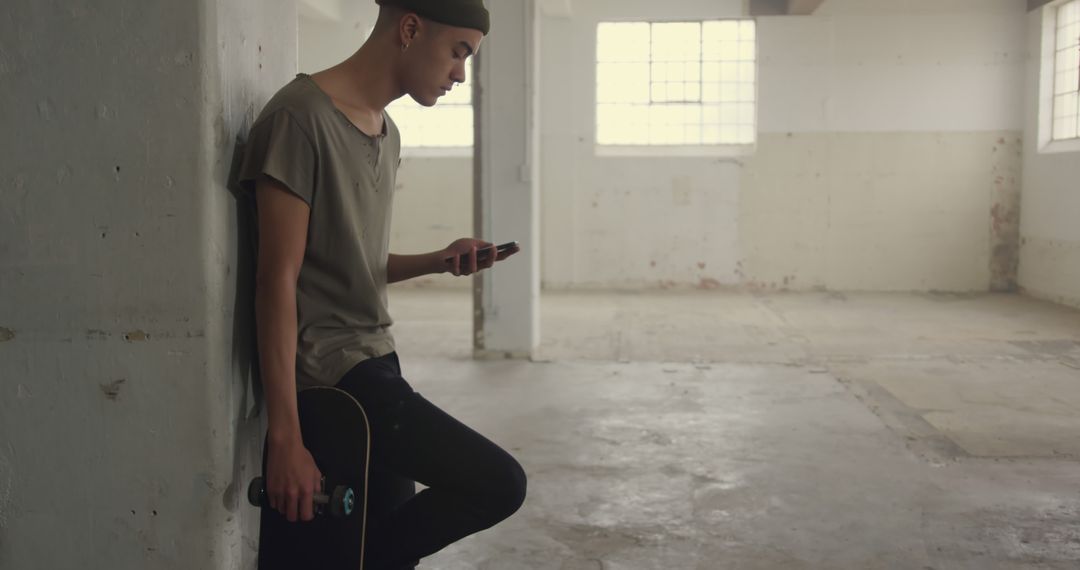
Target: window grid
[676,83]
[449,124]
[1067,72]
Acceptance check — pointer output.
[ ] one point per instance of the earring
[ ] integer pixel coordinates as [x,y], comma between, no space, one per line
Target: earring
[404,47]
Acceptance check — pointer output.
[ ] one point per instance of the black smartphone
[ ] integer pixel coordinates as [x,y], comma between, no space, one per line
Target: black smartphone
[481,254]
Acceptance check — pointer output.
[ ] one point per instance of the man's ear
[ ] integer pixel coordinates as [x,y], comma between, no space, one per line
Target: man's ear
[410,26]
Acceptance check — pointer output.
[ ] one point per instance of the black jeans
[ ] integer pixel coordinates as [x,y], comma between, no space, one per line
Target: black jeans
[472,483]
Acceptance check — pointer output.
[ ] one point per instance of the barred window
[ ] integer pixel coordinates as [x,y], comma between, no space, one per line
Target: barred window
[1067,72]
[676,83]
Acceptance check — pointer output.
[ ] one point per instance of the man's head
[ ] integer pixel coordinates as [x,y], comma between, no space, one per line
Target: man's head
[436,37]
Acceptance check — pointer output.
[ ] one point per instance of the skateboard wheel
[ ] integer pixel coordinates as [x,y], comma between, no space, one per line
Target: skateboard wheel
[256,492]
[350,502]
[342,501]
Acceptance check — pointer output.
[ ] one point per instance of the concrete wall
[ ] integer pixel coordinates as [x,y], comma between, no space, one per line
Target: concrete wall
[126,428]
[1050,250]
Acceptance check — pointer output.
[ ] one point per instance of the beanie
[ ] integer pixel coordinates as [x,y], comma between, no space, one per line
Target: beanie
[457,13]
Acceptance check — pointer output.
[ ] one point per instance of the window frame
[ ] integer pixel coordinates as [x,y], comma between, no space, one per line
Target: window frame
[1048,71]
[722,150]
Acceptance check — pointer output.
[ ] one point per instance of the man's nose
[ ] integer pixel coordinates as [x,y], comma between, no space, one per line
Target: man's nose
[458,74]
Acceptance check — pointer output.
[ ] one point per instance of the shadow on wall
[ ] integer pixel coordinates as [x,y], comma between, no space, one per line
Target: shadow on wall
[245,347]
[250,428]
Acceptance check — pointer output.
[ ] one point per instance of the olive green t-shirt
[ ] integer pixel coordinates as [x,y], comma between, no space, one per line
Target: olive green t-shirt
[347,179]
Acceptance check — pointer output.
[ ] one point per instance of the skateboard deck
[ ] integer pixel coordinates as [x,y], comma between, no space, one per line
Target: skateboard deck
[335,430]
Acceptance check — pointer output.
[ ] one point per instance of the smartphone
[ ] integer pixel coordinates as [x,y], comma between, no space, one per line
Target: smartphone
[481,254]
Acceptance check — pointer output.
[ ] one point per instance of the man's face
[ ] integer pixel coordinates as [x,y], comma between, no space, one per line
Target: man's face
[436,60]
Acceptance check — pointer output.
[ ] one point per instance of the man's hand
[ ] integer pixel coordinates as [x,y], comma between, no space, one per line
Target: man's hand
[461,256]
[292,480]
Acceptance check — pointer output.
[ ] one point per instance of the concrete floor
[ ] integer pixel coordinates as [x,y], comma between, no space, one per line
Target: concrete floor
[712,430]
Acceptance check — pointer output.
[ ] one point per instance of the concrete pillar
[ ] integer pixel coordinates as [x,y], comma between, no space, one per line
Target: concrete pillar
[127,421]
[507,178]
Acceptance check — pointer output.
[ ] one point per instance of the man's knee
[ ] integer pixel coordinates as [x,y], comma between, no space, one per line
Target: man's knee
[507,493]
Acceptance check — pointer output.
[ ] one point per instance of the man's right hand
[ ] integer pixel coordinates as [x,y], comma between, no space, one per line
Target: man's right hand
[292,480]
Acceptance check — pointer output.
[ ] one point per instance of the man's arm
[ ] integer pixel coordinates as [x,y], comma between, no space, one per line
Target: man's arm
[292,476]
[405,267]
[461,255]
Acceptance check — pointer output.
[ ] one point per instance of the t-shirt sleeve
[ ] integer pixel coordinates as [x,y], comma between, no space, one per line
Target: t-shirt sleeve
[279,148]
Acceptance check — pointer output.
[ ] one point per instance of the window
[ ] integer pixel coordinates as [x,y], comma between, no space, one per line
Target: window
[447,125]
[676,83]
[1067,72]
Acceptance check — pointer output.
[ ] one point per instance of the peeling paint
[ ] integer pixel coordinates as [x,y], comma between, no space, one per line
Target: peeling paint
[6,334]
[709,283]
[112,389]
[1005,224]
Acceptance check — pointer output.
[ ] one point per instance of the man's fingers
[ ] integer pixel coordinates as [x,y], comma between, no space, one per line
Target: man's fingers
[492,256]
[292,500]
[307,506]
[276,498]
[317,485]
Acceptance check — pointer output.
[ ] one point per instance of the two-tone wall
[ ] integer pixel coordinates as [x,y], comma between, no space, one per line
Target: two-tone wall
[887,136]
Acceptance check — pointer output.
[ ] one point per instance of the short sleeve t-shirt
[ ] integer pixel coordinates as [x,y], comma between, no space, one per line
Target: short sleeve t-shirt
[347,179]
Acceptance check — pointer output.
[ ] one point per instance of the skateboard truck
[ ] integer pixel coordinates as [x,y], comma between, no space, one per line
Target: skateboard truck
[340,501]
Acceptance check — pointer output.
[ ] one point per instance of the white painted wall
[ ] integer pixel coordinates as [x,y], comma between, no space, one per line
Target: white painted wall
[125,435]
[1050,250]
[861,66]
[332,30]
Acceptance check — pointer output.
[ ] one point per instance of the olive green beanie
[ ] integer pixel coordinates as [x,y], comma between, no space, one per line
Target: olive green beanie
[457,13]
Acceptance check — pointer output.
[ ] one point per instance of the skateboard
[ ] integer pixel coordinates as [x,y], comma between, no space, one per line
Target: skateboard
[335,430]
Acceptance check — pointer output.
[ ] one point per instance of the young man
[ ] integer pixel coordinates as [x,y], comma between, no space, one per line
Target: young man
[322,159]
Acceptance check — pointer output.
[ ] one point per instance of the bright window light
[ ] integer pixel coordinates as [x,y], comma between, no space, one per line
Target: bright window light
[1067,72]
[676,83]
[449,124]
